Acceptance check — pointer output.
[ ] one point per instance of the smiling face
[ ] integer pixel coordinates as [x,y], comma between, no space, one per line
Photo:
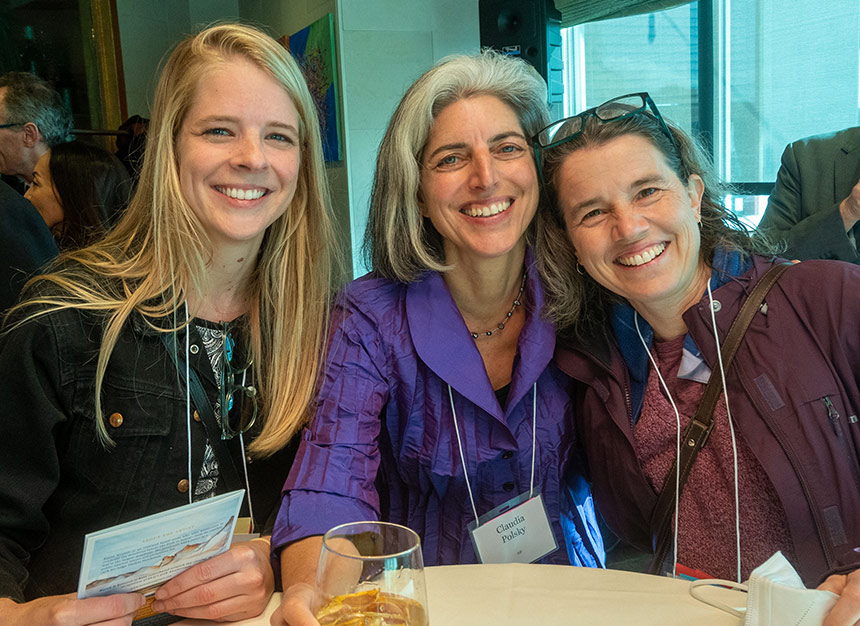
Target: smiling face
[43,195]
[479,184]
[239,153]
[634,223]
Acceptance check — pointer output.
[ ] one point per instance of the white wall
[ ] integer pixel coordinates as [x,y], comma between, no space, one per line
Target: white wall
[148,29]
[385,46]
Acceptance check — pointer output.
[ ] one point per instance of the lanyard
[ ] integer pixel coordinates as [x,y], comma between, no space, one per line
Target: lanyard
[463,457]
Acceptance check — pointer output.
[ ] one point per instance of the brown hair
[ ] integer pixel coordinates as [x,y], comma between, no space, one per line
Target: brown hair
[577,304]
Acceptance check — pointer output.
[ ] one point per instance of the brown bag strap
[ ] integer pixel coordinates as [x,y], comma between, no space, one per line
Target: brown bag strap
[699,429]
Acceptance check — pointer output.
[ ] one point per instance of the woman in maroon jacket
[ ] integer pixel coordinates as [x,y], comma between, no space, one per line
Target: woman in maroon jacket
[646,270]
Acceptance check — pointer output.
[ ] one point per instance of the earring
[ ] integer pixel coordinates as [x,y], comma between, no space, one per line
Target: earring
[579,269]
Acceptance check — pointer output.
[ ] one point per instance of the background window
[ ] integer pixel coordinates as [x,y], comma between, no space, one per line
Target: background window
[746,76]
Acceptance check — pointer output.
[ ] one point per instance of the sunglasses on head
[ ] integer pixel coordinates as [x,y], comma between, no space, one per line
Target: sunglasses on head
[570,128]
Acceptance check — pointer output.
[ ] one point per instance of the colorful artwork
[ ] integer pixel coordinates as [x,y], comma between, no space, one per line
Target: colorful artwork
[313,49]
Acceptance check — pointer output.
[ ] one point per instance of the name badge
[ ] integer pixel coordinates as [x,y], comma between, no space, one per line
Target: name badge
[517,531]
[243,531]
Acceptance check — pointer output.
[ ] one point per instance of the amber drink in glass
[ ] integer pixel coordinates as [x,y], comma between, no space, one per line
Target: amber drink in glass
[371,574]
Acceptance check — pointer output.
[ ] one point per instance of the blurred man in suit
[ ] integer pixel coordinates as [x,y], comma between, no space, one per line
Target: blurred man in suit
[815,205]
[32,120]
[25,244]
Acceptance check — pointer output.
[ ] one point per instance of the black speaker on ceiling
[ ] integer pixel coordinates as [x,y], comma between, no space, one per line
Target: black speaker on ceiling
[530,29]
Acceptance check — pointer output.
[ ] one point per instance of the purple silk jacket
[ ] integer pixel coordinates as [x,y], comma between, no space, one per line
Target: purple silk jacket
[794,391]
[383,446]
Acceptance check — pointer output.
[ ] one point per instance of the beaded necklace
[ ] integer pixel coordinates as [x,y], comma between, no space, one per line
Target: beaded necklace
[501,325]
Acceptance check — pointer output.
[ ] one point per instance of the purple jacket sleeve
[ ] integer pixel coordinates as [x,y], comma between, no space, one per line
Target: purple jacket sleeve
[332,479]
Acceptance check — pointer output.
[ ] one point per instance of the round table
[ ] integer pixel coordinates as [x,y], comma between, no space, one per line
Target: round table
[549,595]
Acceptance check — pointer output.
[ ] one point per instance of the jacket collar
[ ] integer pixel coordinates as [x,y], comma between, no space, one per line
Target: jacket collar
[846,165]
[727,265]
[445,345]
[851,140]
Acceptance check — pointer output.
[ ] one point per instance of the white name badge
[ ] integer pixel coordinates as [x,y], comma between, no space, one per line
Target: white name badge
[518,531]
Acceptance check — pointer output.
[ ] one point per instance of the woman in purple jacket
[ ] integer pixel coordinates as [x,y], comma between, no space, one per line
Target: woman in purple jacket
[646,270]
[440,400]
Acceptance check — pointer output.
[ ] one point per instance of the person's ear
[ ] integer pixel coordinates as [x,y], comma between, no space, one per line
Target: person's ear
[31,134]
[695,190]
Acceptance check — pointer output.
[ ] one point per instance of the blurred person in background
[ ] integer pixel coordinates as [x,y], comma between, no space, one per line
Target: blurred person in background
[25,244]
[815,206]
[79,190]
[32,121]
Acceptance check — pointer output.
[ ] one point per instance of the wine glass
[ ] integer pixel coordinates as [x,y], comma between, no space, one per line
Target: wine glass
[371,574]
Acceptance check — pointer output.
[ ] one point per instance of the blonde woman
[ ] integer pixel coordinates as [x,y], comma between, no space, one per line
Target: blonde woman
[221,262]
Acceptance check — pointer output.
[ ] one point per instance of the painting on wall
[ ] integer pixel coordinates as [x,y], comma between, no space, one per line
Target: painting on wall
[313,48]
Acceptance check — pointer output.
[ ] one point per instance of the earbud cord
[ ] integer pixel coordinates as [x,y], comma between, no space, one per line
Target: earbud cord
[245,467]
[188,398]
[731,431]
[677,439]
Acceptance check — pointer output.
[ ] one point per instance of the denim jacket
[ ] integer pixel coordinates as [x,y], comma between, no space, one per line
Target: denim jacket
[59,482]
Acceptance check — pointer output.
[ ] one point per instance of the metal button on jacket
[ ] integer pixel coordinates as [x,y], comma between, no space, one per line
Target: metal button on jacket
[182,485]
[196,416]
[115,420]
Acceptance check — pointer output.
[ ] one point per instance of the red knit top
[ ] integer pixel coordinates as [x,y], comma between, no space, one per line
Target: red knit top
[706,540]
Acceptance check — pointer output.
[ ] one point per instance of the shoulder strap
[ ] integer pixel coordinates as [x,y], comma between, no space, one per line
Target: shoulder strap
[226,466]
[698,430]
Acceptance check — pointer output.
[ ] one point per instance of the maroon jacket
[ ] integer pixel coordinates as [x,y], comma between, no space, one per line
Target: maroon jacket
[804,349]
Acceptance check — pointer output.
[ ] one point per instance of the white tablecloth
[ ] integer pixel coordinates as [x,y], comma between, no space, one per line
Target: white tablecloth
[549,595]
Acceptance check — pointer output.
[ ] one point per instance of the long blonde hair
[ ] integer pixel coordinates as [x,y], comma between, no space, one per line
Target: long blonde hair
[158,252]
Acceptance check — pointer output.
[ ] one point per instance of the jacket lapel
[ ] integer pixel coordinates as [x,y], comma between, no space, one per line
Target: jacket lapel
[536,343]
[443,342]
[846,166]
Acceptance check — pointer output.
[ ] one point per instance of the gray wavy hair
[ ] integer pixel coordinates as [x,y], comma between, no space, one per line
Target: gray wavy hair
[400,243]
[31,99]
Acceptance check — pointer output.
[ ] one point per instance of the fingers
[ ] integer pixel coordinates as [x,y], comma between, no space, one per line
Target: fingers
[834,583]
[242,594]
[847,609]
[114,610]
[225,610]
[296,605]
[212,569]
[233,585]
